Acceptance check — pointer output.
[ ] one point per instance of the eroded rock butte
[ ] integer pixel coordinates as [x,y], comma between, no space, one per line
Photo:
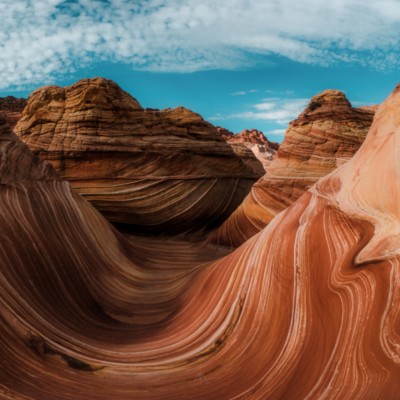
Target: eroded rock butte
[324,136]
[158,171]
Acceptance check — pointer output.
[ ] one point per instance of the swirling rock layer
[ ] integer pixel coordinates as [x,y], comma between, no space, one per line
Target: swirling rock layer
[165,171]
[307,309]
[324,136]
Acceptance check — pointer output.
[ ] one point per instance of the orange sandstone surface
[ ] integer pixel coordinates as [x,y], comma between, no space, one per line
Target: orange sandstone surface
[308,308]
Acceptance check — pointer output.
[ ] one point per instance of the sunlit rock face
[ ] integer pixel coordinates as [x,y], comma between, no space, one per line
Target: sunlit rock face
[11,109]
[263,149]
[309,308]
[157,171]
[324,136]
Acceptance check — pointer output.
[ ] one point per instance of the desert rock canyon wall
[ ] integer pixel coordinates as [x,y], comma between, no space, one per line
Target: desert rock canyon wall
[308,308]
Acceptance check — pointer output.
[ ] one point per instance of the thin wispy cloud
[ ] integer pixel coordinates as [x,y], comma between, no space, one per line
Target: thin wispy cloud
[278,110]
[274,110]
[244,92]
[42,39]
[276,132]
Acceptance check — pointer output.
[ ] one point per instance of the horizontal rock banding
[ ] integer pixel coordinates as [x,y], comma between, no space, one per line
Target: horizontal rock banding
[324,136]
[166,171]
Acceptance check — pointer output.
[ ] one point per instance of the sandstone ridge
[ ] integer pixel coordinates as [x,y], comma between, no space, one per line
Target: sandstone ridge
[167,170]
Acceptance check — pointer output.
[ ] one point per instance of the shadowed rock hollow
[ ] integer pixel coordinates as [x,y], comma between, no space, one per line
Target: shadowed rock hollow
[11,109]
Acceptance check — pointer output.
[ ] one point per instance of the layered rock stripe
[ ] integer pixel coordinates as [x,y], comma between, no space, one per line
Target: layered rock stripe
[158,171]
[324,136]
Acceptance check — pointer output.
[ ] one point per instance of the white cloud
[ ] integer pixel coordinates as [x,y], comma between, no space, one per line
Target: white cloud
[41,39]
[244,92]
[273,111]
[278,110]
[276,132]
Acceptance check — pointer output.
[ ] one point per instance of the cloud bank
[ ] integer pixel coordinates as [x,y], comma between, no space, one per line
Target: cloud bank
[277,110]
[41,39]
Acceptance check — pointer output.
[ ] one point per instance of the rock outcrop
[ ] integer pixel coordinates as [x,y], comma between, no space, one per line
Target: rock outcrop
[324,136]
[255,140]
[253,136]
[11,109]
[17,163]
[307,309]
[165,171]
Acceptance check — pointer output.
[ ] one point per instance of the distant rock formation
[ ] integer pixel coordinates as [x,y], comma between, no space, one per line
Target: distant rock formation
[253,136]
[255,140]
[11,109]
[324,136]
[159,171]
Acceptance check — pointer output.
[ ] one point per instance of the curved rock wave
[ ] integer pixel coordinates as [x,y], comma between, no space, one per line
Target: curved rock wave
[309,308]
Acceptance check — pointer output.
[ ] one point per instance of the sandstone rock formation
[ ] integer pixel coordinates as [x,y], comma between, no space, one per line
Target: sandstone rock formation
[307,309]
[17,163]
[165,171]
[255,140]
[11,109]
[253,136]
[62,267]
[324,136]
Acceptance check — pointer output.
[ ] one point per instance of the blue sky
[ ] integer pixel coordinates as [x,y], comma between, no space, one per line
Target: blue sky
[239,63]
